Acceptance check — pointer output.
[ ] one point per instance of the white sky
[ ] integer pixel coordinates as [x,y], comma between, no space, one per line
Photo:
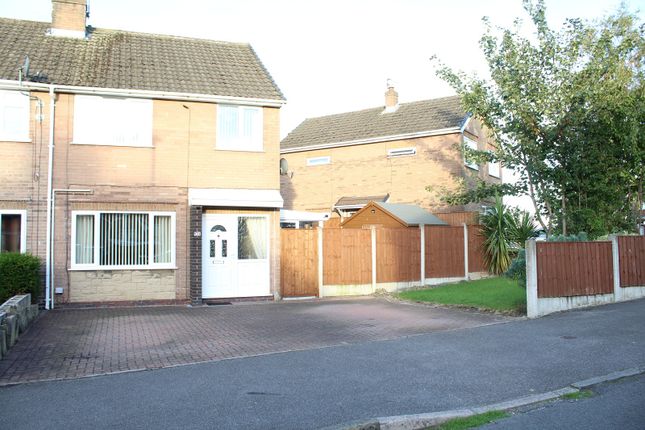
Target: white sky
[331,56]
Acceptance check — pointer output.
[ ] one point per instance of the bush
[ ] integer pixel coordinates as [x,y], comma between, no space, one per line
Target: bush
[517,269]
[19,274]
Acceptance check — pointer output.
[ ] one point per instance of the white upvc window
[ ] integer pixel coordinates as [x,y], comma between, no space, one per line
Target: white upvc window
[123,240]
[494,170]
[13,230]
[112,121]
[14,116]
[471,144]
[318,161]
[401,152]
[239,128]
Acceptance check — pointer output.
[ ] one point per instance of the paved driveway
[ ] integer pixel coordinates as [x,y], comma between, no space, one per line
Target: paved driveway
[72,343]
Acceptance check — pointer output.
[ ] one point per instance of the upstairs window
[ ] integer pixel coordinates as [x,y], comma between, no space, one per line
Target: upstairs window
[114,121]
[13,233]
[318,161]
[401,152]
[471,144]
[494,170]
[14,116]
[239,128]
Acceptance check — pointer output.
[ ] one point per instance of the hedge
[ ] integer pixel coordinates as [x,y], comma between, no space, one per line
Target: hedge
[19,274]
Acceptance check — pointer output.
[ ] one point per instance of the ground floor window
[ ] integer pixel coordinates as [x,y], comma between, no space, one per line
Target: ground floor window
[252,237]
[123,240]
[13,231]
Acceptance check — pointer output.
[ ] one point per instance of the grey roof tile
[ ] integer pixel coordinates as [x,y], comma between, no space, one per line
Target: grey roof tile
[415,117]
[411,214]
[127,60]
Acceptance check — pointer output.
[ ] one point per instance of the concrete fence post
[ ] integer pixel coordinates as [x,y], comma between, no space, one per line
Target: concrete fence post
[320,260]
[532,303]
[422,227]
[615,260]
[465,251]
[373,231]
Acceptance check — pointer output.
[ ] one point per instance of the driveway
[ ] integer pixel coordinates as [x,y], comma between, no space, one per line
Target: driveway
[73,343]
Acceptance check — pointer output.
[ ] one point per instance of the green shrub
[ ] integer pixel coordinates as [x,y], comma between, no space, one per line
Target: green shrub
[517,269]
[19,274]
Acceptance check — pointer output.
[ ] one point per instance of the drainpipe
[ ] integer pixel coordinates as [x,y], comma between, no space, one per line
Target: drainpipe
[50,166]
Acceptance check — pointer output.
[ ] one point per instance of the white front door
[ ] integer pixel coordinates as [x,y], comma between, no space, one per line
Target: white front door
[235,256]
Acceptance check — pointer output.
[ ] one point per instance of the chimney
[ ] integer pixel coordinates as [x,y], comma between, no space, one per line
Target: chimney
[391,98]
[68,18]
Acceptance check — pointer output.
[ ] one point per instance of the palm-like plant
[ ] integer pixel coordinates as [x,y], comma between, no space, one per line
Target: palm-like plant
[523,229]
[497,226]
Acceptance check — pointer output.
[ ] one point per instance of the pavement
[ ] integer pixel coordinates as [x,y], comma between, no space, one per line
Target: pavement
[73,343]
[331,386]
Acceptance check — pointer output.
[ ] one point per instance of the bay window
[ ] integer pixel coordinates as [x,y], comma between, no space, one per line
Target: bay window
[113,240]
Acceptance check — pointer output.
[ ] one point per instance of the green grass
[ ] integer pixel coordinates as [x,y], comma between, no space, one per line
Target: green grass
[500,294]
[473,421]
[582,394]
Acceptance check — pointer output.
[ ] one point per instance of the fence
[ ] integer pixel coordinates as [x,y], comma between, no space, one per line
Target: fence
[567,275]
[336,262]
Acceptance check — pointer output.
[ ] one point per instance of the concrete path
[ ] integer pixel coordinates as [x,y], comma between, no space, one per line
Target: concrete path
[67,344]
[330,386]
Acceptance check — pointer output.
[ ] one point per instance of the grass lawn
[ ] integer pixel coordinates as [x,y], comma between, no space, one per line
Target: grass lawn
[501,294]
[473,421]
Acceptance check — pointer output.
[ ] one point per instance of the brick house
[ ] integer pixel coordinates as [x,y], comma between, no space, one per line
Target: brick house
[386,154]
[139,167]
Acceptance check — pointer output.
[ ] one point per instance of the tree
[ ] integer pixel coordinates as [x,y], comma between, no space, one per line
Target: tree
[566,109]
[497,229]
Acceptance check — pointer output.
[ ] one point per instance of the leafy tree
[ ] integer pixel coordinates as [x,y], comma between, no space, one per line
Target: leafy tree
[567,112]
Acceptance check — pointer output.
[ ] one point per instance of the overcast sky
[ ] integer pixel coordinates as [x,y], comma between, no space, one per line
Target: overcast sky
[331,56]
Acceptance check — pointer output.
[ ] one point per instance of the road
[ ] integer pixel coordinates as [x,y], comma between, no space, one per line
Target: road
[329,386]
[615,405]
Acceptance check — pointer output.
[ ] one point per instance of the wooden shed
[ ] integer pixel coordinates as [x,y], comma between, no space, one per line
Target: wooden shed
[391,215]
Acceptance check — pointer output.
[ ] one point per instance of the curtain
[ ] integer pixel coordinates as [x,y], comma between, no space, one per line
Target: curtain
[162,239]
[84,239]
[252,235]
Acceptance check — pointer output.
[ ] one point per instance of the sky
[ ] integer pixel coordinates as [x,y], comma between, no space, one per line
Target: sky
[333,56]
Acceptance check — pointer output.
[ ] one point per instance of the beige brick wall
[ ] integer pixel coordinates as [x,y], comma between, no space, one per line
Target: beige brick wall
[122,285]
[127,178]
[68,15]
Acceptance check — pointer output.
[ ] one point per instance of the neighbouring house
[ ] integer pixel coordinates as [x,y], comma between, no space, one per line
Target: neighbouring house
[388,154]
[139,167]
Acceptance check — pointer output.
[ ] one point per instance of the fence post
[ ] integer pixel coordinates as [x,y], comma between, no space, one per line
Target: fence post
[615,260]
[373,231]
[423,254]
[320,259]
[465,251]
[532,306]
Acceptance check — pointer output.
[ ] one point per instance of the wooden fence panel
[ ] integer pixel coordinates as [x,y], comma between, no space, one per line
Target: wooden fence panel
[299,262]
[398,254]
[568,269]
[347,256]
[631,251]
[459,218]
[444,251]
[476,249]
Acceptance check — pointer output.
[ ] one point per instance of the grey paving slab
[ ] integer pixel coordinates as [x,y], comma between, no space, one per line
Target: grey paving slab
[71,343]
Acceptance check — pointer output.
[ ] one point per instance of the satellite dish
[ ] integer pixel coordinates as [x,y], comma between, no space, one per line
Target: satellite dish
[284,166]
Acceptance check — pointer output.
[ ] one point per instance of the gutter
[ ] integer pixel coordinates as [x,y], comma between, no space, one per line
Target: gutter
[427,133]
[162,95]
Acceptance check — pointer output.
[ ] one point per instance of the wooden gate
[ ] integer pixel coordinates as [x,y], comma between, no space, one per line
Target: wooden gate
[299,262]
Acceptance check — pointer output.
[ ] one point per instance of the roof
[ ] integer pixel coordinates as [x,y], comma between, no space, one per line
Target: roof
[135,61]
[411,214]
[415,117]
[359,201]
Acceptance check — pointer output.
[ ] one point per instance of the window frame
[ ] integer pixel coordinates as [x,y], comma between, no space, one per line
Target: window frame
[84,135]
[221,144]
[470,143]
[23,226]
[267,239]
[25,135]
[318,161]
[96,250]
[499,169]
[408,151]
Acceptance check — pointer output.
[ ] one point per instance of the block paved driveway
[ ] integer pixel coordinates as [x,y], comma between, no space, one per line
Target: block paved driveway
[72,343]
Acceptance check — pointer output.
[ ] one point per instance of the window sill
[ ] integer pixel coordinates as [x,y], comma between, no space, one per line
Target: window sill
[472,167]
[119,268]
[112,144]
[14,139]
[240,150]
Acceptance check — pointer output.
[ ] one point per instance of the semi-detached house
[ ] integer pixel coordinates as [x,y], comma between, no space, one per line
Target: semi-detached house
[139,167]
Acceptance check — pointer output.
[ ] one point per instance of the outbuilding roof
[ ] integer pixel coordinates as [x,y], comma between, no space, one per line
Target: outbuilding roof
[118,59]
[408,118]
[411,214]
